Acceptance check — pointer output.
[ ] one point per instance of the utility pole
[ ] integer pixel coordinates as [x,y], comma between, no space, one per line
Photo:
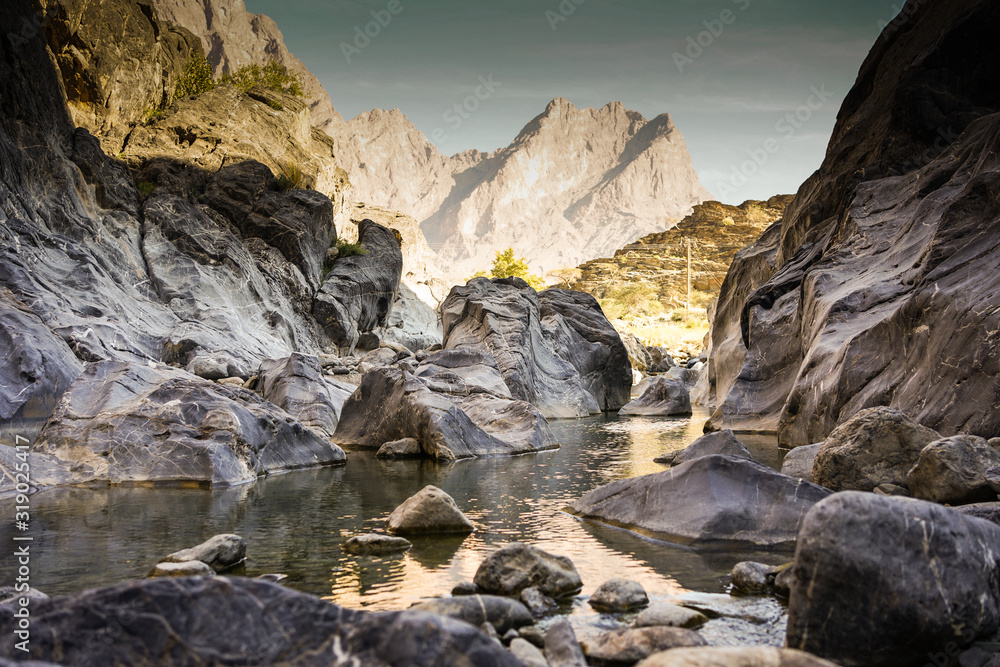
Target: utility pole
[687,304]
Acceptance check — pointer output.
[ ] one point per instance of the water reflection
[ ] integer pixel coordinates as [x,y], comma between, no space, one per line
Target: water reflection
[295,524]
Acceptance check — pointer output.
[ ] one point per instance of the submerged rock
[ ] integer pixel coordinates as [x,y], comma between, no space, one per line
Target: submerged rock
[752,578]
[954,471]
[721,442]
[404,448]
[663,398]
[500,612]
[183,568]
[220,552]
[430,510]
[630,645]
[664,613]
[889,581]
[515,567]
[373,544]
[713,499]
[619,595]
[538,603]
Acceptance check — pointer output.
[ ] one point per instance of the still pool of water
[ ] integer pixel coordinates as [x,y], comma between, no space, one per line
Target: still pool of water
[295,525]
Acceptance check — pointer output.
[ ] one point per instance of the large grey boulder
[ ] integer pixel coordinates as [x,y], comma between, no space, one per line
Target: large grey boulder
[212,620]
[358,292]
[800,461]
[430,510]
[455,405]
[504,318]
[713,499]
[122,422]
[619,595]
[296,385]
[516,567]
[220,552]
[721,442]
[886,581]
[953,470]
[502,613]
[664,397]
[875,446]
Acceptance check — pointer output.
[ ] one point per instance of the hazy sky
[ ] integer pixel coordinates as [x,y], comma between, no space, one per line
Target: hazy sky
[728,71]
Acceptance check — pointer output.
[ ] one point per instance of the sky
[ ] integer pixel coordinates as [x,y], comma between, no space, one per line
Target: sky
[753,85]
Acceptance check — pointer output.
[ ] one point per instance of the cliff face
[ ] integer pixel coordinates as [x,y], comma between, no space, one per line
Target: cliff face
[880,284]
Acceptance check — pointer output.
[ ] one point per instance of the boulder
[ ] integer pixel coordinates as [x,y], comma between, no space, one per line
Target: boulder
[430,510]
[125,422]
[876,446]
[638,354]
[185,621]
[664,613]
[630,645]
[953,470]
[713,499]
[751,578]
[455,405]
[515,567]
[664,397]
[720,442]
[500,612]
[891,581]
[503,318]
[296,385]
[184,568]
[986,511]
[754,656]
[686,376]
[539,604]
[800,461]
[404,448]
[619,595]
[561,647]
[660,360]
[527,653]
[373,544]
[220,552]
[413,323]
[358,291]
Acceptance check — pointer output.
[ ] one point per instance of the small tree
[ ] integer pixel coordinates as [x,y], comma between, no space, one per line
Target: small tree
[272,75]
[506,265]
[196,78]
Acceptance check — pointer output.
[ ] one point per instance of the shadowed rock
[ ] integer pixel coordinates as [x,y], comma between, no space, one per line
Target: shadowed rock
[664,613]
[515,567]
[502,613]
[800,461]
[619,595]
[561,647]
[663,398]
[953,471]
[220,552]
[720,442]
[373,544]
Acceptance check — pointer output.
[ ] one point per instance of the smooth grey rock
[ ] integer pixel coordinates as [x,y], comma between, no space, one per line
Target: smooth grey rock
[430,510]
[186,621]
[382,356]
[663,398]
[686,376]
[751,578]
[404,448]
[619,595]
[660,360]
[561,647]
[358,292]
[713,499]
[501,613]
[745,656]
[953,471]
[799,462]
[638,354]
[533,634]
[220,552]
[373,544]
[515,567]
[465,588]
[630,645]
[875,446]
[986,511]
[179,428]
[876,580]
[46,471]
[186,568]
[783,581]
[413,323]
[216,366]
[992,476]
[296,385]
[539,604]
[664,613]
[527,653]
[721,442]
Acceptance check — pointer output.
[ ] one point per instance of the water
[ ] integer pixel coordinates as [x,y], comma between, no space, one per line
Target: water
[295,524]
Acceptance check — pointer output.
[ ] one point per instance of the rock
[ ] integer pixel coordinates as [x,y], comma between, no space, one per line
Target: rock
[489,631]
[187,568]
[619,595]
[373,544]
[296,385]
[686,376]
[664,613]
[664,397]
[638,354]
[868,586]
[876,446]
[953,471]
[465,588]
[892,490]
[180,428]
[660,360]
[501,613]
[220,552]
[430,510]
[713,499]
[382,356]
[216,366]
[755,656]
[455,405]
[751,578]
[720,442]
[11,595]
[509,636]
[783,581]
[986,511]
[503,318]
[539,604]
[46,471]
[413,322]
[233,382]
[196,620]
[533,634]
[404,448]
[527,653]
[358,292]
[630,645]
[561,647]
[992,476]
[515,567]
[800,461]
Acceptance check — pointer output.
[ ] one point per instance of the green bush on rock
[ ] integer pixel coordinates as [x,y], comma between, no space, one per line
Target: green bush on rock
[195,79]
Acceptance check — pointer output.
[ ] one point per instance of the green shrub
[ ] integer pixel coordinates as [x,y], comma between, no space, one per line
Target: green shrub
[345,249]
[291,177]
[145,188]
[151,115]
[506,265]
[195,79]
[275,104]
[273,76]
